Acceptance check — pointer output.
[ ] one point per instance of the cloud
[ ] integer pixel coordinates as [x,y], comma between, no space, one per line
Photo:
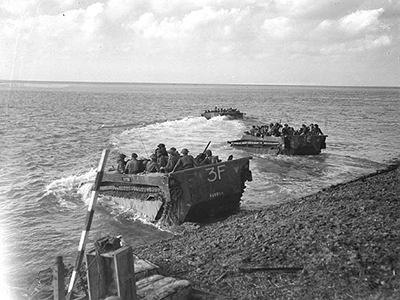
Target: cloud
[229,24]
[92,19]
[120,10]
[278,28]
[202,30]
[358,31]
[195,23]
[363,20]
[16,7]
[372,42]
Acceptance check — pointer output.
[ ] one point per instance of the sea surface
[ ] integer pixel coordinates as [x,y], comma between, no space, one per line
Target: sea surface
[52,136]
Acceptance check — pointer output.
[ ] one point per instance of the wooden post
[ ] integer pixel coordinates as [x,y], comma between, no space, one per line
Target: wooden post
[88,223]
[58,279]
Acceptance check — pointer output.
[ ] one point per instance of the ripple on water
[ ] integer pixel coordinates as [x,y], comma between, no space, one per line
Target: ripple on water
[54,138]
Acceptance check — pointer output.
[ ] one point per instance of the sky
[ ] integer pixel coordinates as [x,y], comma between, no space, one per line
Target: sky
[295,42]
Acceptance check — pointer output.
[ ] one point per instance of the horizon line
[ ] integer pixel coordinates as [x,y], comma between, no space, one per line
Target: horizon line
[189,83]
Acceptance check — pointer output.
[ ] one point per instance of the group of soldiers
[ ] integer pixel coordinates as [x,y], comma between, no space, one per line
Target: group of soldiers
[220,109]
[164,161]
[278,129]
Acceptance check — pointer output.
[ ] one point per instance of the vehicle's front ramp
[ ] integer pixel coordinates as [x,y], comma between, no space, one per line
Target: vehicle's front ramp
[145,194]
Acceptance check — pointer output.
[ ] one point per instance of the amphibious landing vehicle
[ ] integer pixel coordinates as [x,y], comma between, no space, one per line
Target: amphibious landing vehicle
[194,194]
[230,113]
[288,145]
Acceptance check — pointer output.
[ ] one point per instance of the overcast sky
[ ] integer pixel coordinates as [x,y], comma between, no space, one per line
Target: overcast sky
[311,42]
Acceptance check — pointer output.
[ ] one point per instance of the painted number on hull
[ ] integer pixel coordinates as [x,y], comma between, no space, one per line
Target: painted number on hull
[215,173]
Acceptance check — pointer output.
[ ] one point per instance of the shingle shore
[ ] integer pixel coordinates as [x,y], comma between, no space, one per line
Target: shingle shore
[340,243]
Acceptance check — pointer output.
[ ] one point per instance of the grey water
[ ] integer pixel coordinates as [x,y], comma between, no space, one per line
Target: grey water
[53,134]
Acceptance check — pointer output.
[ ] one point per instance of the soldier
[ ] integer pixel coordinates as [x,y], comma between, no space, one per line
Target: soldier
[133,165]
[285,129]
[208,158]
[172,160]
[186,161]
[152,166]
[121,164]
[317,130]
[162,160]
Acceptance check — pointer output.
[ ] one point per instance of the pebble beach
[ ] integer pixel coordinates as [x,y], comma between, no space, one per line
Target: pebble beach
[339,243]
[279,245]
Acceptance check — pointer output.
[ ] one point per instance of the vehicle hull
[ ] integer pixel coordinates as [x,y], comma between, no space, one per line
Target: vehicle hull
[194,194]
[288,145]
[232,115]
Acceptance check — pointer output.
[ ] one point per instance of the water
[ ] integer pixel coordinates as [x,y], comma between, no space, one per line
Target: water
[53,135]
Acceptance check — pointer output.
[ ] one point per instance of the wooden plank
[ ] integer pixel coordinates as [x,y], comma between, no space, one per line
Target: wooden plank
[176,290]
[140,284]
[144,268]
[96,276]
[125,274]
[155,283]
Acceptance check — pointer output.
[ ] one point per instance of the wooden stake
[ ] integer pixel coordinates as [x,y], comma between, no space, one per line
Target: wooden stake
[58,279]
[89,218]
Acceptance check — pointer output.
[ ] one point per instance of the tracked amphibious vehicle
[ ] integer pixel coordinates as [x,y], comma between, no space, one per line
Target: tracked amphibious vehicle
[288,145]
[231,114]
[188,195]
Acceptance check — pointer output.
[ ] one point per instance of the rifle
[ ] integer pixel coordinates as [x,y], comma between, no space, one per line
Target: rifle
[202,155]
[205,149]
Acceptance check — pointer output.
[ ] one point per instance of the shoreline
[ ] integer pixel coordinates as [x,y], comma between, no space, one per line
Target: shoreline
[339,243]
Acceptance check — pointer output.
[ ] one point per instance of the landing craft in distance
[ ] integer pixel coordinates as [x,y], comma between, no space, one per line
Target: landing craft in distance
[230,113]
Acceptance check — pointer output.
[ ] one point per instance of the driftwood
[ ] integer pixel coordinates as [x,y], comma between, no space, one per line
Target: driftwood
[268,269]
[221,277]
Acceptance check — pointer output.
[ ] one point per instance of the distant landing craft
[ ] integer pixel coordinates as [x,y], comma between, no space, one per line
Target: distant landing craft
[230,113]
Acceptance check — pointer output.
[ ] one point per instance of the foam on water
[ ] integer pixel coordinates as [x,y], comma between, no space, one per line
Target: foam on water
[191,132]
[70,183]
[120,212]
[54,135]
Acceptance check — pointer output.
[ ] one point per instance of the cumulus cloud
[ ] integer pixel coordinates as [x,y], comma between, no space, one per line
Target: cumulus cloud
[357,31]
[16,7]
[250,30]
[371,42]
[120,10]
[205,20]
[361,20]
[278,28]
[92,18]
